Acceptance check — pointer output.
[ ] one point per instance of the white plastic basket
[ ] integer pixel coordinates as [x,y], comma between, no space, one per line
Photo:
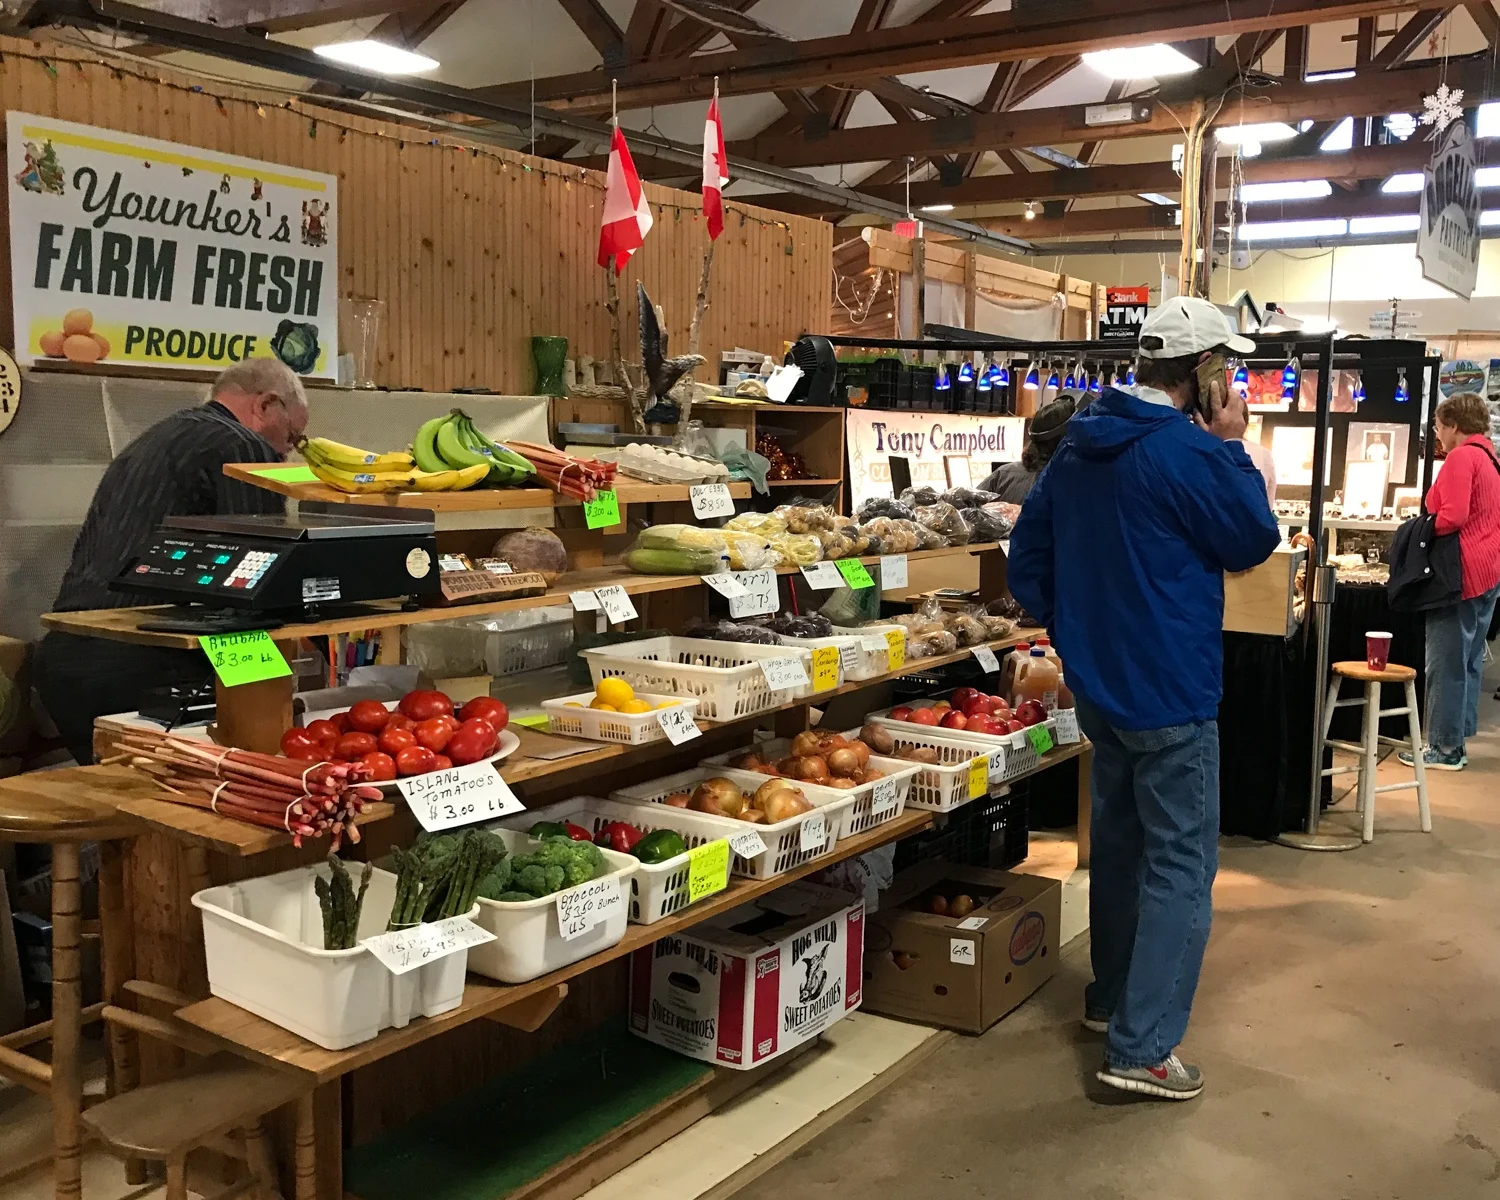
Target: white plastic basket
[527,941]
[724,677]
[950,782]
[544,641]
[1019,756]
[783,840]
[877,657]
[262,939]
[629,729]
[862,816]
[851,655]
[657,890]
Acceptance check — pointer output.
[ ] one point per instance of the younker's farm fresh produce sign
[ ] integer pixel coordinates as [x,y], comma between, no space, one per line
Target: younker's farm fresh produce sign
[126,249]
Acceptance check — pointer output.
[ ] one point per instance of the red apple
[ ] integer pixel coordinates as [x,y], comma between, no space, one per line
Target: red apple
[900,713]
[999,704]
[961,697]
[984,723]
[1014,726]
[941,704]
[924,716]
[976,705]
[953,719]
[1031,712]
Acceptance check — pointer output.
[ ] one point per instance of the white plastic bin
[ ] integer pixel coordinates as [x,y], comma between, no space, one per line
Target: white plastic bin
[263,941]
[950,782]
[875,646]
[527,940]
[628,729]
[1019,756]
[724,677]
[657,890]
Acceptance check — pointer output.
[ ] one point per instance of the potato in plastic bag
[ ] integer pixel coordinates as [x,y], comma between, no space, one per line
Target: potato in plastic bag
[800,550]
[883,506]
[806,518]
[966,627]
[940,642]
[894,536]
[985,526]
[944,519]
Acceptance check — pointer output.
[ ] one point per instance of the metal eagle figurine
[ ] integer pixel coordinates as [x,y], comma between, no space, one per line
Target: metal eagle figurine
[662,373]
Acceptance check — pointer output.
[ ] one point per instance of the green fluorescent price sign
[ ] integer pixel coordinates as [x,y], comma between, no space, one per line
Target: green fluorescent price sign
[854,573]
[289,474]
[248,657]
[708,869]
[602,511]
[1040,738]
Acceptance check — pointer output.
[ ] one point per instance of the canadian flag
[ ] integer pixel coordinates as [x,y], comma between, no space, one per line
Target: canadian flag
[627,218]
[715,170]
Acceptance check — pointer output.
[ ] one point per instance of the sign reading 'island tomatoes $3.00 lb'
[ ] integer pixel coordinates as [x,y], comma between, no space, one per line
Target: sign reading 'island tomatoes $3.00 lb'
[127,249]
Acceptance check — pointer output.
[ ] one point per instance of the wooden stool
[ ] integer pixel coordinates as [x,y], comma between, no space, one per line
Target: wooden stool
[1369,748]
[225,1095]
[32,811]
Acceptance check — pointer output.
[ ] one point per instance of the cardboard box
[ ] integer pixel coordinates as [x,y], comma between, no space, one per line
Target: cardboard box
[751,983]
[961,973]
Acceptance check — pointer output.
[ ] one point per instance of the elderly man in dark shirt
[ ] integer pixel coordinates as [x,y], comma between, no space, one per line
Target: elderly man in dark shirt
[255,411]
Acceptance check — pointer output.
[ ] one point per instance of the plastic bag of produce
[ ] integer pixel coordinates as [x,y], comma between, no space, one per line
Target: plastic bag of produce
[749,551]
[914,497]
[799,549]
[994,627]
[883,506]
[845,539]
[732,631]
[533,549]
[767,525]
[805,625]
[966,627]
[677,550]
[1003,508]
[805,516]
[895,536]
[967,497]
[943,519]
[985,526]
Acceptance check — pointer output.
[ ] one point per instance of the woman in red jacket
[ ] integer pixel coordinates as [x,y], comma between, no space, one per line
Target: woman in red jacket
[1465,499]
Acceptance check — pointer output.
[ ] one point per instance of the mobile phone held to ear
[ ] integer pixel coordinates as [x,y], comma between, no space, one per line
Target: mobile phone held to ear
[1213,391]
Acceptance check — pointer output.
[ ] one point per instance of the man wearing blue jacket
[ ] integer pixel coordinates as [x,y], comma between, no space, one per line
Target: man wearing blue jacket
[1120,552]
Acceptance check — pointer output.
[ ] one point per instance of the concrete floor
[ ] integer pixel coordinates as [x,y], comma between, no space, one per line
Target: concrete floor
[1346,1025]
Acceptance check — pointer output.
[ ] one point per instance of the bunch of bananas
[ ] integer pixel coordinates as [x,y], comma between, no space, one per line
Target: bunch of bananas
[453,443]
[362,472]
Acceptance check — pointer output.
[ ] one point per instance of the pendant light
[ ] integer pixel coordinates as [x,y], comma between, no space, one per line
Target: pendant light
[985,380]
[997,376]
[942,383]
[1095,387]
[1359,389]
[1242,380]
[1072,380]
[1052,380]
[966,372]
[1402,396]
[1130,374]
[1289,374]
[1032,379]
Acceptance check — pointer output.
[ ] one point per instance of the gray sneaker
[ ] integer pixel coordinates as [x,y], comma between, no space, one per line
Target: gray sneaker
[1170,1080]
[1095,1022]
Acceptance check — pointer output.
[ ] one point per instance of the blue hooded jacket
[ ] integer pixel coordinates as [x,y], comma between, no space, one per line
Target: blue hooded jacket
[1121,550]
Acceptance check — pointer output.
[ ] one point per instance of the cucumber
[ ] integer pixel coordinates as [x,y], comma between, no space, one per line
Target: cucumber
[671,562]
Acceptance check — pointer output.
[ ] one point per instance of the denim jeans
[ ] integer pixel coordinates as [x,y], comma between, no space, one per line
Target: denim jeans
[1455,663]
[1155,853]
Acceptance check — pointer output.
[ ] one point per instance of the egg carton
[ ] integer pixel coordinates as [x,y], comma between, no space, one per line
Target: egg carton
[660,464]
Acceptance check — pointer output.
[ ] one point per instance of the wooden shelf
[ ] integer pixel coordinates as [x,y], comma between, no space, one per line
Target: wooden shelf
[627,491]
[259,1040]
[123,624]
[803,482]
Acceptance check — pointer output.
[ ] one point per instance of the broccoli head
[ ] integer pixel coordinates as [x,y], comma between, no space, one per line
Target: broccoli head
[556,863]
[512,897]
[537,879]
[496,880]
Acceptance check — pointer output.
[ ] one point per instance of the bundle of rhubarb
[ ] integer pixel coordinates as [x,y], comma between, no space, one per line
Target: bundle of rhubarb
[580,478]
[304,799]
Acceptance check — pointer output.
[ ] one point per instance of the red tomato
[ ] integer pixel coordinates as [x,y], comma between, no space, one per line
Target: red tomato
[356,745]
[415,760]
[450,721]
[368,716]
[325,731]
[340,721]
[300,744]
[491,736]
[393,741]
[433,734]
[382,767]
[441,762]
[423,705]
[470,743]
[492,710]
[900,713]
[399,720]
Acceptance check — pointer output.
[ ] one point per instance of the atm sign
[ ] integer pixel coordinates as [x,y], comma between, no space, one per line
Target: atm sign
[1125,310]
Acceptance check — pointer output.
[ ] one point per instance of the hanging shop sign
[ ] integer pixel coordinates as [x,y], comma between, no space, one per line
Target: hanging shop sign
[1448,234]
[126,249]
[1124,312]
[924,440]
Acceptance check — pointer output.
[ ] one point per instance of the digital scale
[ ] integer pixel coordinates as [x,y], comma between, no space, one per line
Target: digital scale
[285,567]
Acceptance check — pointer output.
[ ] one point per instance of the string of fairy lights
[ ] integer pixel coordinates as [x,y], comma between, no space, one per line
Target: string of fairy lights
[125,66]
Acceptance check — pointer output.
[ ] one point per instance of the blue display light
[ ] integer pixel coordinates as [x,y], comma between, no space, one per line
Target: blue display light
[1072,380]
[942,383]
[985,379]
[1094,385]
[1032,380]
[1402,396]
[1002,379]
[1289,380]
[966,372]
[1130,375]
[1052,380]
[1359,389]
[1242,380]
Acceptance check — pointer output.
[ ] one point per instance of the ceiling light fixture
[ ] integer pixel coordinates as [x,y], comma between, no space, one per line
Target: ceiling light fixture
[1030,213]
[936,208]
[1407,181]
[1402,396]
[985,381]
[1266,131]
[1033,381]
[1326,76]
[1289,375]
[1241,382]
[1052,380]
[1394,223]
[1300,189]
[1487,120]
[379,57]
[1401,125]
[1155,61]
[1252,231]
[942,383]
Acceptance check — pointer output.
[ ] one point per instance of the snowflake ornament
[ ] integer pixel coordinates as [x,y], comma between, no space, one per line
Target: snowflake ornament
[1443,107]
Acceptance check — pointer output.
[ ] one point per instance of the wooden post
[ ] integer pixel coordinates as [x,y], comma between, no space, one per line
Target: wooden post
[971,288]
[253,716]
[117,940]
[617,353]
[305,1154]
[67,1012]
[919,284]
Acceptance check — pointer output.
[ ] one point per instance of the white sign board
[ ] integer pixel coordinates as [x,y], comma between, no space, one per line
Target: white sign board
[126,249]
[403,950]
[580,908]
[924,439]
[711,500]
[761,596]
[458,796]
[1448,235]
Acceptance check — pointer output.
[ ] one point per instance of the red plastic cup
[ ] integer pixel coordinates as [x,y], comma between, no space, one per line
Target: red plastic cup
[1377,650]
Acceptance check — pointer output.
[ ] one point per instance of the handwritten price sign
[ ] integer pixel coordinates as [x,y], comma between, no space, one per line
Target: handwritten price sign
[708,869]
[404,950]
[581,908]
[248,657]
[458,796]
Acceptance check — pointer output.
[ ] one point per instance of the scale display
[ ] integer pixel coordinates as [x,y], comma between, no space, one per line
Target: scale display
[213,567]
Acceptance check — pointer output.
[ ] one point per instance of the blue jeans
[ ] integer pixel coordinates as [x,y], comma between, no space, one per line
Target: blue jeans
[1455,663]
[1155,853]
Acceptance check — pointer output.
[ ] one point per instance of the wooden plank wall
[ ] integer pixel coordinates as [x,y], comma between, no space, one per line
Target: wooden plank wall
[474,249]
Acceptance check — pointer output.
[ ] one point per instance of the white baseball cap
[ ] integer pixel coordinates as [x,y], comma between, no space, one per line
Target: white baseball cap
[1188,325]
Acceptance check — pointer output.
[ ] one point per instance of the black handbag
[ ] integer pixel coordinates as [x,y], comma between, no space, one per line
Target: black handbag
[1426,569]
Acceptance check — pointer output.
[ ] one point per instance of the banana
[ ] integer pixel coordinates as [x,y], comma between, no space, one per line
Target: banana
[454,452]
[365,482]
[424,446]
[509,467]
[468,477]
[436,481]
[353,459]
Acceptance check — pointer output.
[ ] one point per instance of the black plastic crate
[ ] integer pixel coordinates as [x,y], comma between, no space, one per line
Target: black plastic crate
[915,391]
[877,379]
[988,832]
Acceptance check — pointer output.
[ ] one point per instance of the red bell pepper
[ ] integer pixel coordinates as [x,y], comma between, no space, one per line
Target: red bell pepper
[618,836]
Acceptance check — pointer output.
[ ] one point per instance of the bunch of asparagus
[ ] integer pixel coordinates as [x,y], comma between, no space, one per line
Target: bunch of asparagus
[439,876]
[340,904]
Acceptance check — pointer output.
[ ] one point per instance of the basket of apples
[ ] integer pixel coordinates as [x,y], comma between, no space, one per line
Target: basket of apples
[979,718]
[421,732]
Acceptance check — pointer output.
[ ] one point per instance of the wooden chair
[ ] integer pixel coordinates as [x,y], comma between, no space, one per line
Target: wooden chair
[31,810]
[1368,749]
[220,1104]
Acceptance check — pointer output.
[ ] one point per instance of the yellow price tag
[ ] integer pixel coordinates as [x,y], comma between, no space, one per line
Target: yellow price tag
[825,672]
[895,640]
[708,869]
[979,776]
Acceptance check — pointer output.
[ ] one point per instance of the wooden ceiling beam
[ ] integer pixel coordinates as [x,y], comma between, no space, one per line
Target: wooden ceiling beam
[688,35]
[598,26]
[1414,31]
[1370,93]
[644,35]
[1484,16]
[285,16]
[1124,179]
[1294,53]
[1062,27]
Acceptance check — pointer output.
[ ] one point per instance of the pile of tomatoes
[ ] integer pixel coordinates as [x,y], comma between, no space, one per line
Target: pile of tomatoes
[422,734]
